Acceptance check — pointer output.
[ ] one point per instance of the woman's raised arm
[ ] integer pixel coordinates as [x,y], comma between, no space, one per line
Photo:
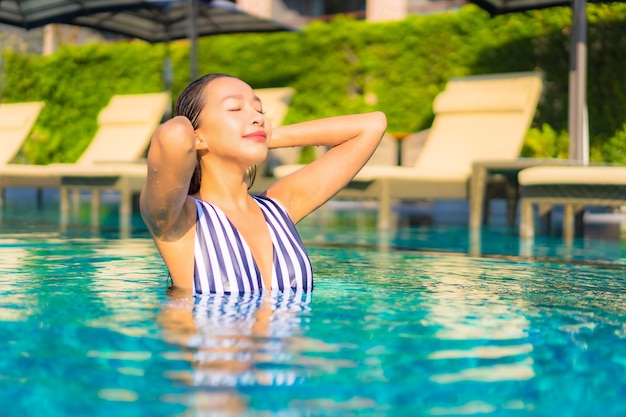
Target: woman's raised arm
[352,139]
[171,162]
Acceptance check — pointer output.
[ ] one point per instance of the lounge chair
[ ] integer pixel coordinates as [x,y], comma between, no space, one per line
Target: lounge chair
[16,122]
[275,106]
[483,117]
[573,187]
[113,159]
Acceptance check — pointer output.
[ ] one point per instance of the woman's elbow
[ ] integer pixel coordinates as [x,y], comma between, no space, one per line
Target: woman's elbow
[379,121]
[176,134]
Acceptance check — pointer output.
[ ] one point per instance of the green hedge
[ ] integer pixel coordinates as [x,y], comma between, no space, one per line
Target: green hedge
[345,66]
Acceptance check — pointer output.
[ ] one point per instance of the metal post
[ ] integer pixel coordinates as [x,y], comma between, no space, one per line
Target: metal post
[578,129]
[193,39]
[168,68]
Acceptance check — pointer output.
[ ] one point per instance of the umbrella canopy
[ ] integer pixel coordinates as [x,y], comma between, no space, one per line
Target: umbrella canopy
[162,21]
[166,20]
[30,14]
[577,116]
[150,20]
[495,7]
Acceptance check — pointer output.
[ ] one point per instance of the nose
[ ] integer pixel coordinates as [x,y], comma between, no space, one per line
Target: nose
[259,119]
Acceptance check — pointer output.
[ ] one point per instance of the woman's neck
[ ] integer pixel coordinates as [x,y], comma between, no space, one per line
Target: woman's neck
[224,186]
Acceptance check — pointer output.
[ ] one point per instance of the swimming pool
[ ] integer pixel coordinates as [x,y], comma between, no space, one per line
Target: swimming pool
[88,328]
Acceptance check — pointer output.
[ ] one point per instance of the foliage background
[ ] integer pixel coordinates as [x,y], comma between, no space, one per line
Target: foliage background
[344,66]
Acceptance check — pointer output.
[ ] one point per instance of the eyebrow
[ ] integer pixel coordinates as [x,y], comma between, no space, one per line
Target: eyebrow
[240,97]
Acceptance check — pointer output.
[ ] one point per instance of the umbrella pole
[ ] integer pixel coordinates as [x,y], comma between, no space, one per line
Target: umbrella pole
[578,125]
[1,81]
[168,69]
[193,39]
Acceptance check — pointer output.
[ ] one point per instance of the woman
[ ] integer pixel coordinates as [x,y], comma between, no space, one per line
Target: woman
[213,236]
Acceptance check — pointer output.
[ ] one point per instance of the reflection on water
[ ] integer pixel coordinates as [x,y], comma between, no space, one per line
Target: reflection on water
[347,228]
[465,310]
[89,328]
[234,341]
[237,340]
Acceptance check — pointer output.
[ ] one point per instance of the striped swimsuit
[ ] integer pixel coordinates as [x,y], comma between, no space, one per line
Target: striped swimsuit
[223,262]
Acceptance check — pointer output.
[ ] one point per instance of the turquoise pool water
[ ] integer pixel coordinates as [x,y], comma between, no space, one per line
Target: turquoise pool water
[399,324]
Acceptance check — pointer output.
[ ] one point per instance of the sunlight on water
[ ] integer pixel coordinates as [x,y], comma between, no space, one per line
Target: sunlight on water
[89,328]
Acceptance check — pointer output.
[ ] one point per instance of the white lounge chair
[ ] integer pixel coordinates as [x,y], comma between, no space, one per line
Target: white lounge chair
[111,161]
[275,106]
[16,122]
[573,187]
[483,117]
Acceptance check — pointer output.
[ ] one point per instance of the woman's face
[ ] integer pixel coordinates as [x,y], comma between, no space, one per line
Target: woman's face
[232,123]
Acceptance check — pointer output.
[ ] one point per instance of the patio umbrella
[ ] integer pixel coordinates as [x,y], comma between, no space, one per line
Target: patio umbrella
[577,113]
[150,20]
[167,20]
[30,14]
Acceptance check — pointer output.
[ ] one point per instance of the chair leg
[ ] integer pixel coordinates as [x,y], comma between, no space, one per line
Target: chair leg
[475,242]
[568,223]
[573,225]
[477,197]
[384,207]
[76,201]
[126,208]
[95,207]
[64,202]
[527,223]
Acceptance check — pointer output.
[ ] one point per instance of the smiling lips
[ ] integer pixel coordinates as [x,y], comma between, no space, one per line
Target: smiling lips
[258,136]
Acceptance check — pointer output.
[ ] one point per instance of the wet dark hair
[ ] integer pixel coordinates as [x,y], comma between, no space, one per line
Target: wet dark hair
[190,104]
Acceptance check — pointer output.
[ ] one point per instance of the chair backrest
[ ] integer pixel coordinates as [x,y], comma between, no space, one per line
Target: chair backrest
[483,117]
[125,127]
[275,105]
[16,122]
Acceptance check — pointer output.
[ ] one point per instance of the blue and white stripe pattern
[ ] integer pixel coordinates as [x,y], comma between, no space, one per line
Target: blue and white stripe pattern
[230,328]
[223,262]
